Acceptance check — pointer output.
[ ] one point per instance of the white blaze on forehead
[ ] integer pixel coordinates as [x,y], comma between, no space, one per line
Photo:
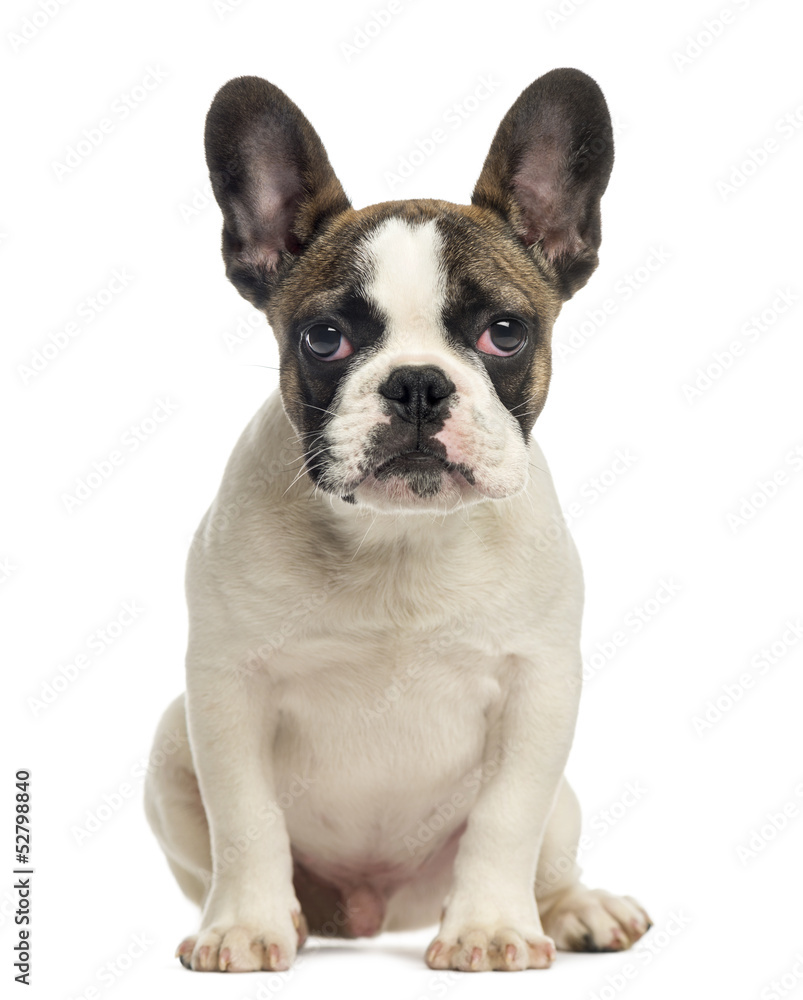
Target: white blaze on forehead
[405,280]
[408,284]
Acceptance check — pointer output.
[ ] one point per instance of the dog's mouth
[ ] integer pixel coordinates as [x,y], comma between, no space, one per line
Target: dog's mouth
[420,471]
[410,463]
[417,474]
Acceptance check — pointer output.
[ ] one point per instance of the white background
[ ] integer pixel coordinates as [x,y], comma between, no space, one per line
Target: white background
[726,924]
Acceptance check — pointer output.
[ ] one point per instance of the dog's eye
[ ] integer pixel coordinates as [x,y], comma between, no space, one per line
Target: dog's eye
[503,338]
[327,343]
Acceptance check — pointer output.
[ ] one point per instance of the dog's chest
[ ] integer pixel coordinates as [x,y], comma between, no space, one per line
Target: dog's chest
[389,693]
[371,747]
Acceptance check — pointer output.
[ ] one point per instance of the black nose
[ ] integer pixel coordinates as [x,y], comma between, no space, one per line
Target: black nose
[418,393]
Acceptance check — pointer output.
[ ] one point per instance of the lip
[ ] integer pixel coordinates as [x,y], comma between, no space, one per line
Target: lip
[410,461]
[409,475]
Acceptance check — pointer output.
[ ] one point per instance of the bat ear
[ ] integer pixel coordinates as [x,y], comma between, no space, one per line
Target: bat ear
[547,170]
[272,179]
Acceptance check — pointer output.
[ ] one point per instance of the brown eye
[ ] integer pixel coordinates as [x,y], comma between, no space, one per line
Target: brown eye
[502,338]
[327,343]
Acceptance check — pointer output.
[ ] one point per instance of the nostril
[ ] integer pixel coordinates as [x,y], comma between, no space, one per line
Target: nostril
[394,387]
[436,384]
[439,388]
[396,390]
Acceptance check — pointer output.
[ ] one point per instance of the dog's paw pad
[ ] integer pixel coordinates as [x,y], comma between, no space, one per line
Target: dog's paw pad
[502,949]
[594,920]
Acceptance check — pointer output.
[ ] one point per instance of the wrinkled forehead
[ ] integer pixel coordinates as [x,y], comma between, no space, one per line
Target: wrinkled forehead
[412,265]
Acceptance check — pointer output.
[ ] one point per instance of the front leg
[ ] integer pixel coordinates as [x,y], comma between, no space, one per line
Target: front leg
[490,919]
[251,918]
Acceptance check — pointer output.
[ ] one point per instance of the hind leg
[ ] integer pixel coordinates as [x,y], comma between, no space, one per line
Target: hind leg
[575,917]
[174,808]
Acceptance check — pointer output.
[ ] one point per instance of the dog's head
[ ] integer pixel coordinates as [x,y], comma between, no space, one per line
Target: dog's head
[414,336]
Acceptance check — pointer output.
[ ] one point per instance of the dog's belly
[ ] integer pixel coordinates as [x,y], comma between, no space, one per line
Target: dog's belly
[379,761]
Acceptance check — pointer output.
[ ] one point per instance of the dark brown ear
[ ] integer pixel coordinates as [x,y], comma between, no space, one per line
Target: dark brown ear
[547,169]
[272,179]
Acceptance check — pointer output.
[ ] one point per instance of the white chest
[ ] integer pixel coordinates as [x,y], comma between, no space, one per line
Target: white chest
[388,738]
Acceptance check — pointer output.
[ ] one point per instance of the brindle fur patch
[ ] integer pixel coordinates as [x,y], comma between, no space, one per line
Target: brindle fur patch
[489,273]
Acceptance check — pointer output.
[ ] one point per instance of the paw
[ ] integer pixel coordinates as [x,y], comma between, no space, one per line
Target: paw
[243,949]
[594,920]
[483,950]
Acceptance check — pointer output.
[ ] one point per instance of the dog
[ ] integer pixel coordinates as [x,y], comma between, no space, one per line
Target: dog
[383,666]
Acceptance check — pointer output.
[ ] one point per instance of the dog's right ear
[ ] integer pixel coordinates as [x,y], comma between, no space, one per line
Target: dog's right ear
[272,179]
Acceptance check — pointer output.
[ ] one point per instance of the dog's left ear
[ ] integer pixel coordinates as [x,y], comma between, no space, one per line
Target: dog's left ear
[547,169]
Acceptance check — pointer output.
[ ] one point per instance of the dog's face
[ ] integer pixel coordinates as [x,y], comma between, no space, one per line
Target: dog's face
[416,370]
[414,336]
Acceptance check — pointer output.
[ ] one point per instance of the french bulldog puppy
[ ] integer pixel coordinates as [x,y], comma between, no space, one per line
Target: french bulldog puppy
[383,669]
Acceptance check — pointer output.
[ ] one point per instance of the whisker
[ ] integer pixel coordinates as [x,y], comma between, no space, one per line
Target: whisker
[474,533]
[321,408]
[524,402]
[304,469]
[363,538]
